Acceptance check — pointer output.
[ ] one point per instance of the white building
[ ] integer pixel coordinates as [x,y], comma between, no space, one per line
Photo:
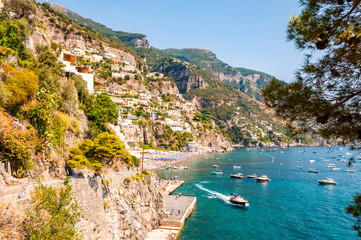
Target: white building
[97,58]
[78,52]
[89,78]
[109,55]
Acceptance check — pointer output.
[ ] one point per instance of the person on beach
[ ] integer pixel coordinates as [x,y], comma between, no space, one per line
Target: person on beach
[178,212]
[172,211]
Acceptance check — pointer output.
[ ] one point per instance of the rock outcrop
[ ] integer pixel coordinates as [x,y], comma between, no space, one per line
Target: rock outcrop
[118,211]
[140,42]
[185,80]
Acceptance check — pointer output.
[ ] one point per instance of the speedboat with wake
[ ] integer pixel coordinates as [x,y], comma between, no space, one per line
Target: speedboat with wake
[238,200]
[217,172]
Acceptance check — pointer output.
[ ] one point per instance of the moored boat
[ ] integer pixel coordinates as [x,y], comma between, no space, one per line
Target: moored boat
[328,181]
[235,166]
[335,169]
[299,167]
[312,161]
[237,175]
[351,170]
[331,165]
[237,199]
[216,166]
[262,178]
[313,170]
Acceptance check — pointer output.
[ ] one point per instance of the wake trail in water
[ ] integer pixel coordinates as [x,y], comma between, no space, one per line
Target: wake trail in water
[215,194]
[268,162]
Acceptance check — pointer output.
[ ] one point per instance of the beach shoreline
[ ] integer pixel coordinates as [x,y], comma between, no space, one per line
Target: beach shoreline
[149,165]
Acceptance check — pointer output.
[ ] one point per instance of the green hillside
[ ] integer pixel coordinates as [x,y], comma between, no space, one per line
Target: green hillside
[206,59]
[124,37]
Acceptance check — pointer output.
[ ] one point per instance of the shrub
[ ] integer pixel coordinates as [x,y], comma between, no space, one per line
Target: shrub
[21,86]
[53,214]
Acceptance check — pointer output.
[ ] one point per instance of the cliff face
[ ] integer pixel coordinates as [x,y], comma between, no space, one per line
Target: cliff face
[118,211]
[163,87]
[185,80]
[140,42]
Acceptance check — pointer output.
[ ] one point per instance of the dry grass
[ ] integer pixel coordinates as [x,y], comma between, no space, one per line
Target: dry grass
[12,222]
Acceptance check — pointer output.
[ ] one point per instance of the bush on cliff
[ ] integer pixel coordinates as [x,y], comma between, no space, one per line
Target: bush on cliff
[53,214]
[106,149]
[100,110]
[16,145]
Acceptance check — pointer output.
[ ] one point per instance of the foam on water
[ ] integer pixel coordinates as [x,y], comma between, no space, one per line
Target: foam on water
[214,194]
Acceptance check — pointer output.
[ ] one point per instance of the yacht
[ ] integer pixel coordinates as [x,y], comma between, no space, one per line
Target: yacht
[237,199]
[252,176]
[312,161]
[328,181]
[234,166]
[216,166]
[237,175]
[262,178]
[335,169]
[313,170]
[331,165]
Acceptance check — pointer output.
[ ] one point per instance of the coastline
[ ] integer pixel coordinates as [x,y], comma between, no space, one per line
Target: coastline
[162,165]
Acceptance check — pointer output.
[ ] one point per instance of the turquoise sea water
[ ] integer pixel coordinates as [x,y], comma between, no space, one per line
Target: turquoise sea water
[291,206]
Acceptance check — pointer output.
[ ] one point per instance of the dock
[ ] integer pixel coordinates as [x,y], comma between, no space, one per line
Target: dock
[179,209]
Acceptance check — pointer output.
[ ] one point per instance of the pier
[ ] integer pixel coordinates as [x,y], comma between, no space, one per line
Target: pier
[179,209]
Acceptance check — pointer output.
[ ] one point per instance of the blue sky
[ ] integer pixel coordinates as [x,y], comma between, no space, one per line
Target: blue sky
[242,33]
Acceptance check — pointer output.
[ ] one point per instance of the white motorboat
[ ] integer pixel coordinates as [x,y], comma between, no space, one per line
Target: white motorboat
[237,199]
[237,175]
[351,170]
[331,165]
[216,166]
[335,169]
[263,178]
[328,181]
[235,166]
[311,160]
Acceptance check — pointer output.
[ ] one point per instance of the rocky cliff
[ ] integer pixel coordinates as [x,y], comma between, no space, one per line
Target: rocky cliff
[139,42]
[118,208]
[185,80]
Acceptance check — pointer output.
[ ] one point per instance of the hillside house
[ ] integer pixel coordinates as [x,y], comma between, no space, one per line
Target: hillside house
[97,58]
[78,52]
[109,55]
[115,61]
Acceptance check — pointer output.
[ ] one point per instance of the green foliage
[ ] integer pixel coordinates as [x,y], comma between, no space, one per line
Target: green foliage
[20,86]
[16,145]
[53,214]
[101,110]
[40,115]
[13,34]
[81,87]
[355,210]
[326,97]
[106,149]
[58,125]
